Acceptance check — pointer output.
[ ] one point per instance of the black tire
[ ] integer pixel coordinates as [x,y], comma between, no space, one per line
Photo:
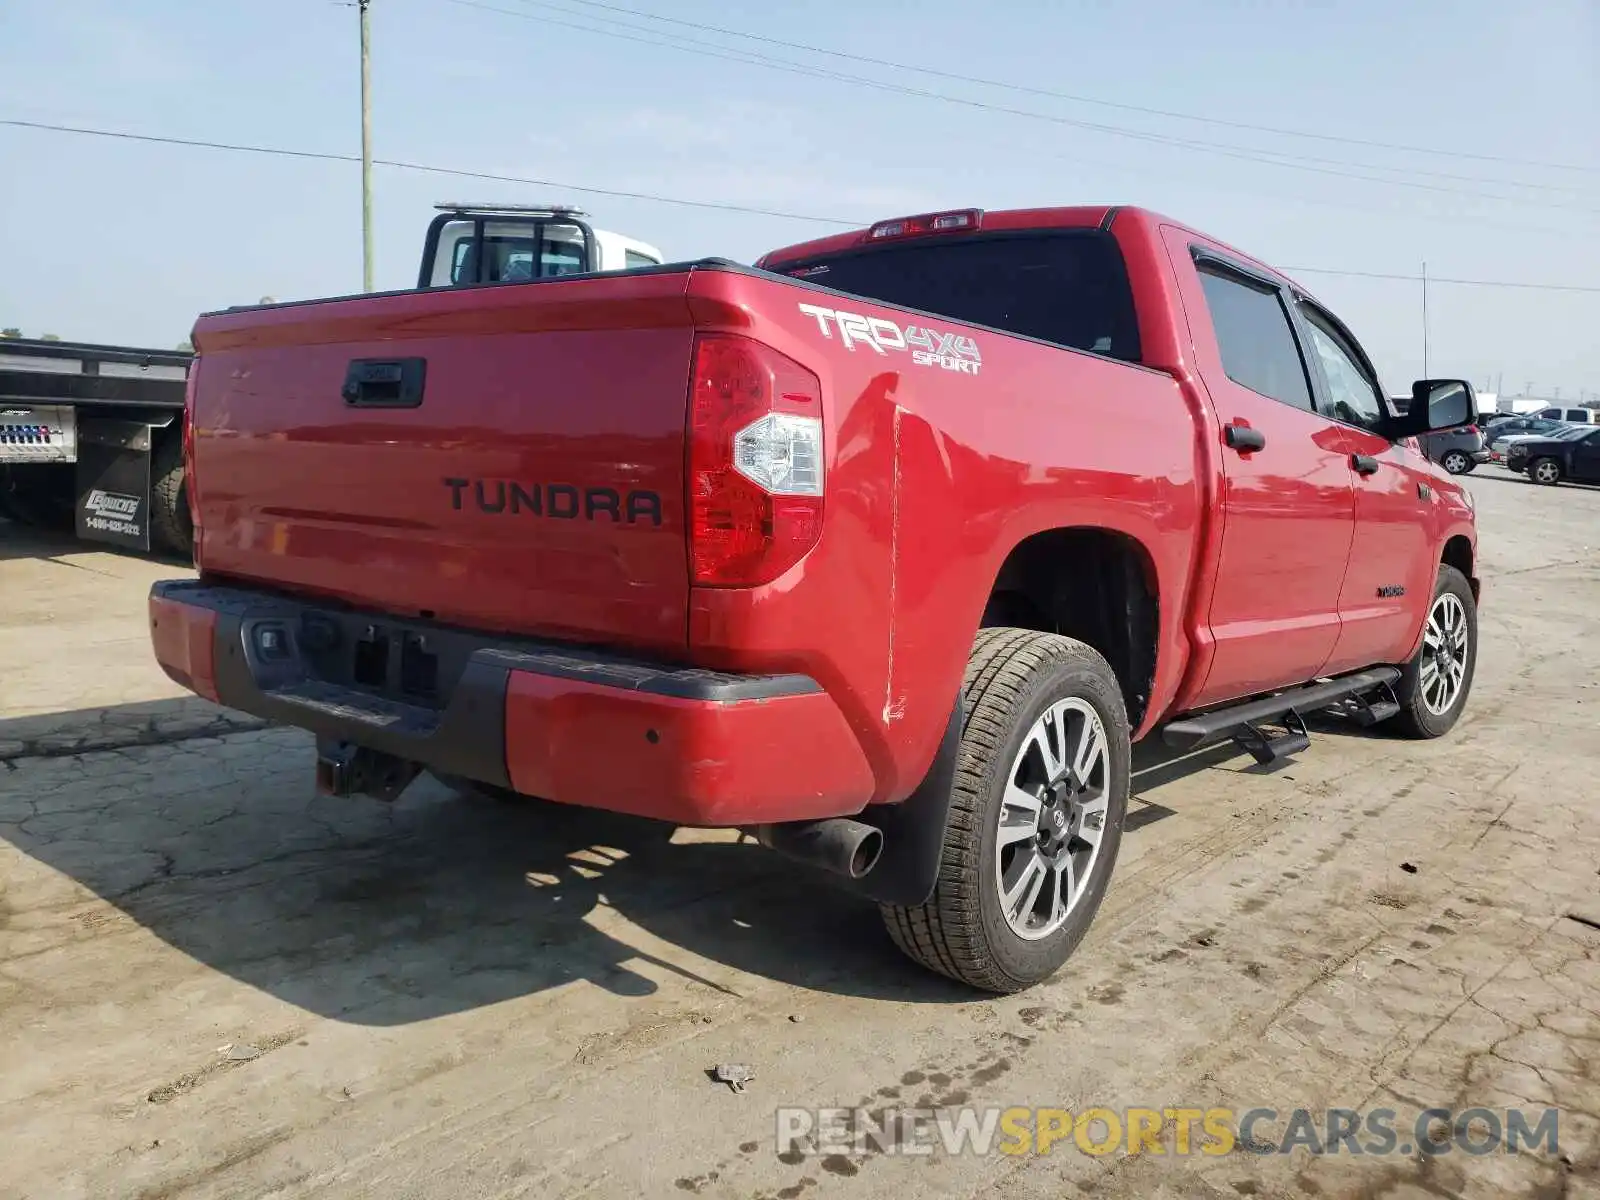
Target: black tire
[1456,462]
[1416,718]
[171,525]
[1013,676]
[1552,471]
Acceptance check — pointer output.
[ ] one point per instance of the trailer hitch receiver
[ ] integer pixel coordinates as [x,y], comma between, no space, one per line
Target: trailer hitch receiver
[346,769]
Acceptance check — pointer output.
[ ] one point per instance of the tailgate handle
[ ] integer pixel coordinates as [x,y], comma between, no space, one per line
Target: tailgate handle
[384,382]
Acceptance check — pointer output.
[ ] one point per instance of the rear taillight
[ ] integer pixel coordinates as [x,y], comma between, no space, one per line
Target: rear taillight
[755,462]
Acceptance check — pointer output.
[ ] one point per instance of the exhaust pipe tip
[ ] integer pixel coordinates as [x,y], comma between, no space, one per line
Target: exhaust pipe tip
[868,850]
[836,844]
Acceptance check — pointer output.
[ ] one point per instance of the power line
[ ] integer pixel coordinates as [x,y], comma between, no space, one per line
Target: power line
[706,49]
[1431,279]
[688,45]
[323,156]
[319,156]
[1094,100]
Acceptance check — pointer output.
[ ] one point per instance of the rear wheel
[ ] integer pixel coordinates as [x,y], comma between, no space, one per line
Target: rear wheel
[170,520]
[1545,470]
[1036,814]
[1434,686]
[1456,462]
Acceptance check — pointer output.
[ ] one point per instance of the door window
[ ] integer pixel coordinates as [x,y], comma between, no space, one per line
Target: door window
[1352,395]
[1258,346]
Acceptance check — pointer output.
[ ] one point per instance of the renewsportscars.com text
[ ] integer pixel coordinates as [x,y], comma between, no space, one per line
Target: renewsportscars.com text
[1179,1131]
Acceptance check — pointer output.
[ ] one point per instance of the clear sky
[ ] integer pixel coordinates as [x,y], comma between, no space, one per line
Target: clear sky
[125,242]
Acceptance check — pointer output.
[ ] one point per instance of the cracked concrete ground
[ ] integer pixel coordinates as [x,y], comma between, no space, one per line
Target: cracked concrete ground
[214,984]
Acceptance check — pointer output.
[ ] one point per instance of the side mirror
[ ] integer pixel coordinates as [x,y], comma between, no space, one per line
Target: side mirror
[1436,404]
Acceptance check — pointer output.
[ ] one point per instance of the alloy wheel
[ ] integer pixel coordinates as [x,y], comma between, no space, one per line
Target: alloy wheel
[1052,819]
[1444,654]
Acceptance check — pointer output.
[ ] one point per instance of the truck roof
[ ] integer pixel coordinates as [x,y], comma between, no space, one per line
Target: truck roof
[1016,219]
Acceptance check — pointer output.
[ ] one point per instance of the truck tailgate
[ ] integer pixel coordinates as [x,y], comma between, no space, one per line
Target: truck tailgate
[505,458]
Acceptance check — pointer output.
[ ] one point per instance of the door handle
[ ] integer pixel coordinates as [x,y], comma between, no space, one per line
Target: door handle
[1364,464]
[1243,439]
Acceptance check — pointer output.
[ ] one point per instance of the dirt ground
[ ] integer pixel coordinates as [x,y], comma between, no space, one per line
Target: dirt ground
[215,984]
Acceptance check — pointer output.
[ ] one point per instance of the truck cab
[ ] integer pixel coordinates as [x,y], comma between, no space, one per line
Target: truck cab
[470,244]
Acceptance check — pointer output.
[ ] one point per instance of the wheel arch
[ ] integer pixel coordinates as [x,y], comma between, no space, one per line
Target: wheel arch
[1092,583]
[1459,553]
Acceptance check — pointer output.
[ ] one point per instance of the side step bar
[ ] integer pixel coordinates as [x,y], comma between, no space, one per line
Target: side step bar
[1222,723]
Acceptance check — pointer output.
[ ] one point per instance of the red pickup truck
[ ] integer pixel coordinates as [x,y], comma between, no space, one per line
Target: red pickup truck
[886,549]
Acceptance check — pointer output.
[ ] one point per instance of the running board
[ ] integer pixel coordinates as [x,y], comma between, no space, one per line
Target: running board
[1241,719]
[1267,750]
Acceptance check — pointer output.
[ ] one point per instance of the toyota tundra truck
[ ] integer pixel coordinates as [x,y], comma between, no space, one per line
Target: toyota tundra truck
[885,550]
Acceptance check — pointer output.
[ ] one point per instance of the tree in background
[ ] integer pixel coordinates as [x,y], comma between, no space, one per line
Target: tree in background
[10,331]
[186,346]
[49,337]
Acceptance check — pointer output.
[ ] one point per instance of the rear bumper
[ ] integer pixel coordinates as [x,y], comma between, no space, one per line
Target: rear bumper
[560,722]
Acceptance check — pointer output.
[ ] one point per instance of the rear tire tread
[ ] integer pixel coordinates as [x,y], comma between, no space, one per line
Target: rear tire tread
[945,933]
[170,522]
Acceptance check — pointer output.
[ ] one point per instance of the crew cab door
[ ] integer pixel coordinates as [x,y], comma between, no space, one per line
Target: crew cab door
[1393,559]
[1288,504]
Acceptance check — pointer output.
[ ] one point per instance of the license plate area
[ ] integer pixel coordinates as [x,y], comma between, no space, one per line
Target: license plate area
[414,663]
[396,662]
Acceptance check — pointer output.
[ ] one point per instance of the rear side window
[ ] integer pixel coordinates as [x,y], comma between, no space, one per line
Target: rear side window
[1069,288]
[632,258]
[1258,346]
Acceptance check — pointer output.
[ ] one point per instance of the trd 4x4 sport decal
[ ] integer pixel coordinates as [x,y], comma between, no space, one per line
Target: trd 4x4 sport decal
[928,347]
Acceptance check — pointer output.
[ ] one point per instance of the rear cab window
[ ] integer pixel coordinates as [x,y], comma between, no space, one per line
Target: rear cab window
[1068,287]
[511,251]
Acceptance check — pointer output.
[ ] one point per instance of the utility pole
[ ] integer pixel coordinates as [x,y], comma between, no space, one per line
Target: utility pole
[1425,320]
[366,144]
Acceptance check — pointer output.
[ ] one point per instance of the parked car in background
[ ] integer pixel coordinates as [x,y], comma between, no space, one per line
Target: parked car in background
[1571,454]
[1501,445]
[1456,450]
[1503,424]
[1502,432]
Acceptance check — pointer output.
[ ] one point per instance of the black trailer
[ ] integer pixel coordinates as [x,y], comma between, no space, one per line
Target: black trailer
[94,435]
